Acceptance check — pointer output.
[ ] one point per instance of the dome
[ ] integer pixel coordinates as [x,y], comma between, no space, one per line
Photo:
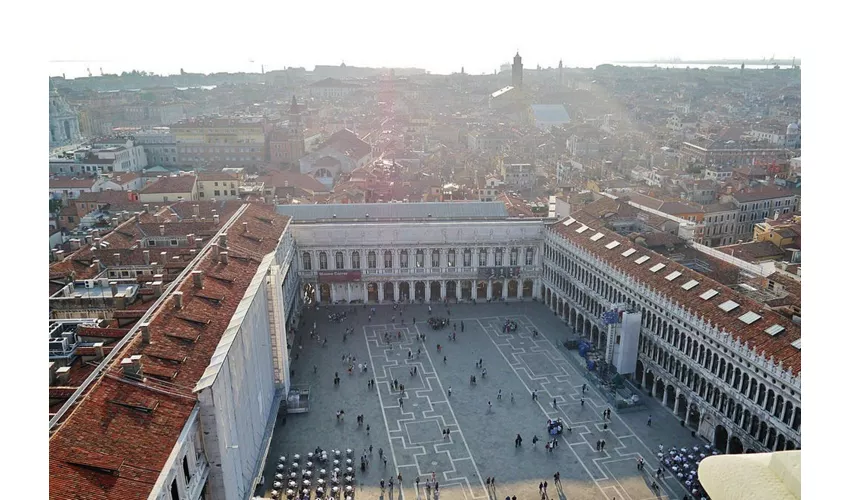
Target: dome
[793,129]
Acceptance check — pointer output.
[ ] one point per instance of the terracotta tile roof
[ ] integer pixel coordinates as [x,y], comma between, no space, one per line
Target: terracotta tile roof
[778,346]
[216,176]
[63,183]
[766,193]
[110,333]
[292,179]
[119,437]
[164,185]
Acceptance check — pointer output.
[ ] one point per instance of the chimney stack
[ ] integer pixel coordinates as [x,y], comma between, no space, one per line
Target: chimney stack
[120,301]
[147,256]
[98,350]
[58,254]
[224,258]
[161,230]
[196,209]
[222,240]
[63,375]
[178,300]
[113,286]
[75,244]
[163,257]
[191,239]
[96,263]
[137,217]
[145,328]
[147,208]
[95,233]
[216,219]
[132,366]
[157,285]
[117,257]
[198,278]
[245,227]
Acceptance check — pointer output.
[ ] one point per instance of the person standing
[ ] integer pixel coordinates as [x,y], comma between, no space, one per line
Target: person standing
[499,396]
[557,477]
[649,421]
[450,391]
[545,486]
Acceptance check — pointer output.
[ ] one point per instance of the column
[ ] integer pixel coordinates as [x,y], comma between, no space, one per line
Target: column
[396,291]
[676,404]
[411,290]
[348,293]
[729,443]
[365,292]
[318,293]
[688,413]
[489,289]
[380,292]
[333,293]
[442,288]
[652,388]
[664,396]
[505,289]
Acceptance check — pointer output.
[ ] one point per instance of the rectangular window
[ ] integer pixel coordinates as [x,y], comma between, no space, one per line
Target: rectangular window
[186,470]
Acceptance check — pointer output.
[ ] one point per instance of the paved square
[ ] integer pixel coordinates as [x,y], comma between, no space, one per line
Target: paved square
[482,425]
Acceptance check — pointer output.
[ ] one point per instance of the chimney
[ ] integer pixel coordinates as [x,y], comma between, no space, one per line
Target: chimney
[95,233]
[63,375]
[157,285]
[199,242]
[113,286]
[98,350]
[198,278]
[97,242]
[178,300]
[140,243]
[137,217]
[78,299]
[132,366]
[58,254]
[145,328]
[163,257]
[53,369]
[96,264]
[147,256]
[191,239]
[216,219]
[147,208]
[115,221]
[161,230]
[117,257]
[196,209]
[224,258]
[245,227]
[125,215]
[222,240]
[120,301]
[75,243]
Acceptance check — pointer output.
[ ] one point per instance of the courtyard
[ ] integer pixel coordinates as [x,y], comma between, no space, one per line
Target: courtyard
[439,396]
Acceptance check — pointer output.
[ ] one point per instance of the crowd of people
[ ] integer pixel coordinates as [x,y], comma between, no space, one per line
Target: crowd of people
[327,474]
[683,464]
[437,323]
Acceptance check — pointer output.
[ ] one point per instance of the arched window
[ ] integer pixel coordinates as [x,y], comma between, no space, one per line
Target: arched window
[306,261]
[372,260]
[403,258]
[388,259]
[467,257]
[435,258]
[323,260]
[529,256]
[451,258]
[340,261]
[514,256]
[498,257]
[355,260]
[420,257]
[482,257]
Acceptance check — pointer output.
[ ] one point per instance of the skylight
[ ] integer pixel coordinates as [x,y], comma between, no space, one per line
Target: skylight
[641,260]
[657,267]
[582,229]
[796,343]
[729,305]
[597,237]
[709,294]
[673,275]
[568,221]
[750,318]
[690,284]
[628,252]
[774,330]
[612,245]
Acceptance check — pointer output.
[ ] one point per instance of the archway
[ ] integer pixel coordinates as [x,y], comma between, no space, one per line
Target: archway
[372,291]
[513,289]
[419,290]
[671,397]
[497,290]
[695,417]
[527,289]
[466,289]
[481,290]
[721,438]
[659,390]
[649,381]
[389,293]
[683,407]
[435,291]
[404,290]
[780,442]
[587,327]
[594,336]
[736,447]
[325,291]
[639,376]
[771,438]
[560,307]
[451,289]
[573,318]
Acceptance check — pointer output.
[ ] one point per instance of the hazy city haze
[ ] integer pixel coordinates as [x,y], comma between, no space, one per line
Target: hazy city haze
[439,36]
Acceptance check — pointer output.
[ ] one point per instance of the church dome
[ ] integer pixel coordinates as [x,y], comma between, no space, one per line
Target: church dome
[793,129]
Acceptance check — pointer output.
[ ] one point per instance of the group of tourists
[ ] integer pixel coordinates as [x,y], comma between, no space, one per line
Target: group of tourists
[683,463]
[331,478]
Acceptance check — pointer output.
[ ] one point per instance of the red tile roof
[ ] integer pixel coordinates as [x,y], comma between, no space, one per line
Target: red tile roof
[778,346]
[164,185]
[63,183]
[111,447]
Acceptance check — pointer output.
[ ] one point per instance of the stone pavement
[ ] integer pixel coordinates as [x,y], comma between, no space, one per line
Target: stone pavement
[481,441]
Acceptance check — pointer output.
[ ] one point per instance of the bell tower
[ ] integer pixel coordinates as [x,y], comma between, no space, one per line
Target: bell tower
[516,71]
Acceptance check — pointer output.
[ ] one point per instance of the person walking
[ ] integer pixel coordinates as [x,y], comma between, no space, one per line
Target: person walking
[603,445]
[489,406]
[555,403]
[534,440]
[518,441]
[540,487]
[499,396]
[545,486]
[450,391]
[649,421]
[582,401]
[557,477]
[598,444]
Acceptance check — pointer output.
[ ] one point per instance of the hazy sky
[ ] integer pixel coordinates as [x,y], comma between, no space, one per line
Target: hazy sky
[437,35]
